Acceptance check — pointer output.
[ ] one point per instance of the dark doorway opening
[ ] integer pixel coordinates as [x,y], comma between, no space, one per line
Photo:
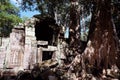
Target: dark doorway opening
[46,55]
[43,31]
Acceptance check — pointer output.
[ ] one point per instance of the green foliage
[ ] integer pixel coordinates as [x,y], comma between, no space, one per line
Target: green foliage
[9,16]
[24,18]
[62,9]
[49,7]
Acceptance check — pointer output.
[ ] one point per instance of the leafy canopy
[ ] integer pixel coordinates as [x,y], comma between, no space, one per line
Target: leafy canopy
[9,16]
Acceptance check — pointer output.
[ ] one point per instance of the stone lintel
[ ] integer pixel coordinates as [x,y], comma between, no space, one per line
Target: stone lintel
[50,48]
[42,42]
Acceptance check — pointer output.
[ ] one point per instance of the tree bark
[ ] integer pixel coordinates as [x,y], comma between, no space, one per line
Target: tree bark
[75,27]
[101,50]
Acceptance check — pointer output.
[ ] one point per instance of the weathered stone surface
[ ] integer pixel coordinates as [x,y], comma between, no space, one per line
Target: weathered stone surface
[59,54]
[42,42]
[30,31]
[17,39]
[50,48]
[31,22]
[23,50]
[49,63]
[39,55]
[4,50]
[30,46]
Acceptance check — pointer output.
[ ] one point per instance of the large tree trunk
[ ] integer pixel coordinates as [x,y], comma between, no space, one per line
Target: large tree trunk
[101,50]
[74,33]
[75,27]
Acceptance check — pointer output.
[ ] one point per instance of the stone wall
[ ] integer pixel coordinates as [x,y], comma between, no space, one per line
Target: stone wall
[4,50]
[21,49]
[17,42]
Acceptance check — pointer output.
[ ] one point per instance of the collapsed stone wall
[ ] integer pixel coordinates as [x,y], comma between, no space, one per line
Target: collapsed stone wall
[15,49]
[25,50]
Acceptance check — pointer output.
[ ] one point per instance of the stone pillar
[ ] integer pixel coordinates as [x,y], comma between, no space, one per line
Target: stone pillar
[39,55]
[30,46]
[60,52]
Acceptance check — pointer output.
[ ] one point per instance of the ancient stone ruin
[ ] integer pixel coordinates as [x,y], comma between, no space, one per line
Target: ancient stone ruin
[39,49]
[33,41]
